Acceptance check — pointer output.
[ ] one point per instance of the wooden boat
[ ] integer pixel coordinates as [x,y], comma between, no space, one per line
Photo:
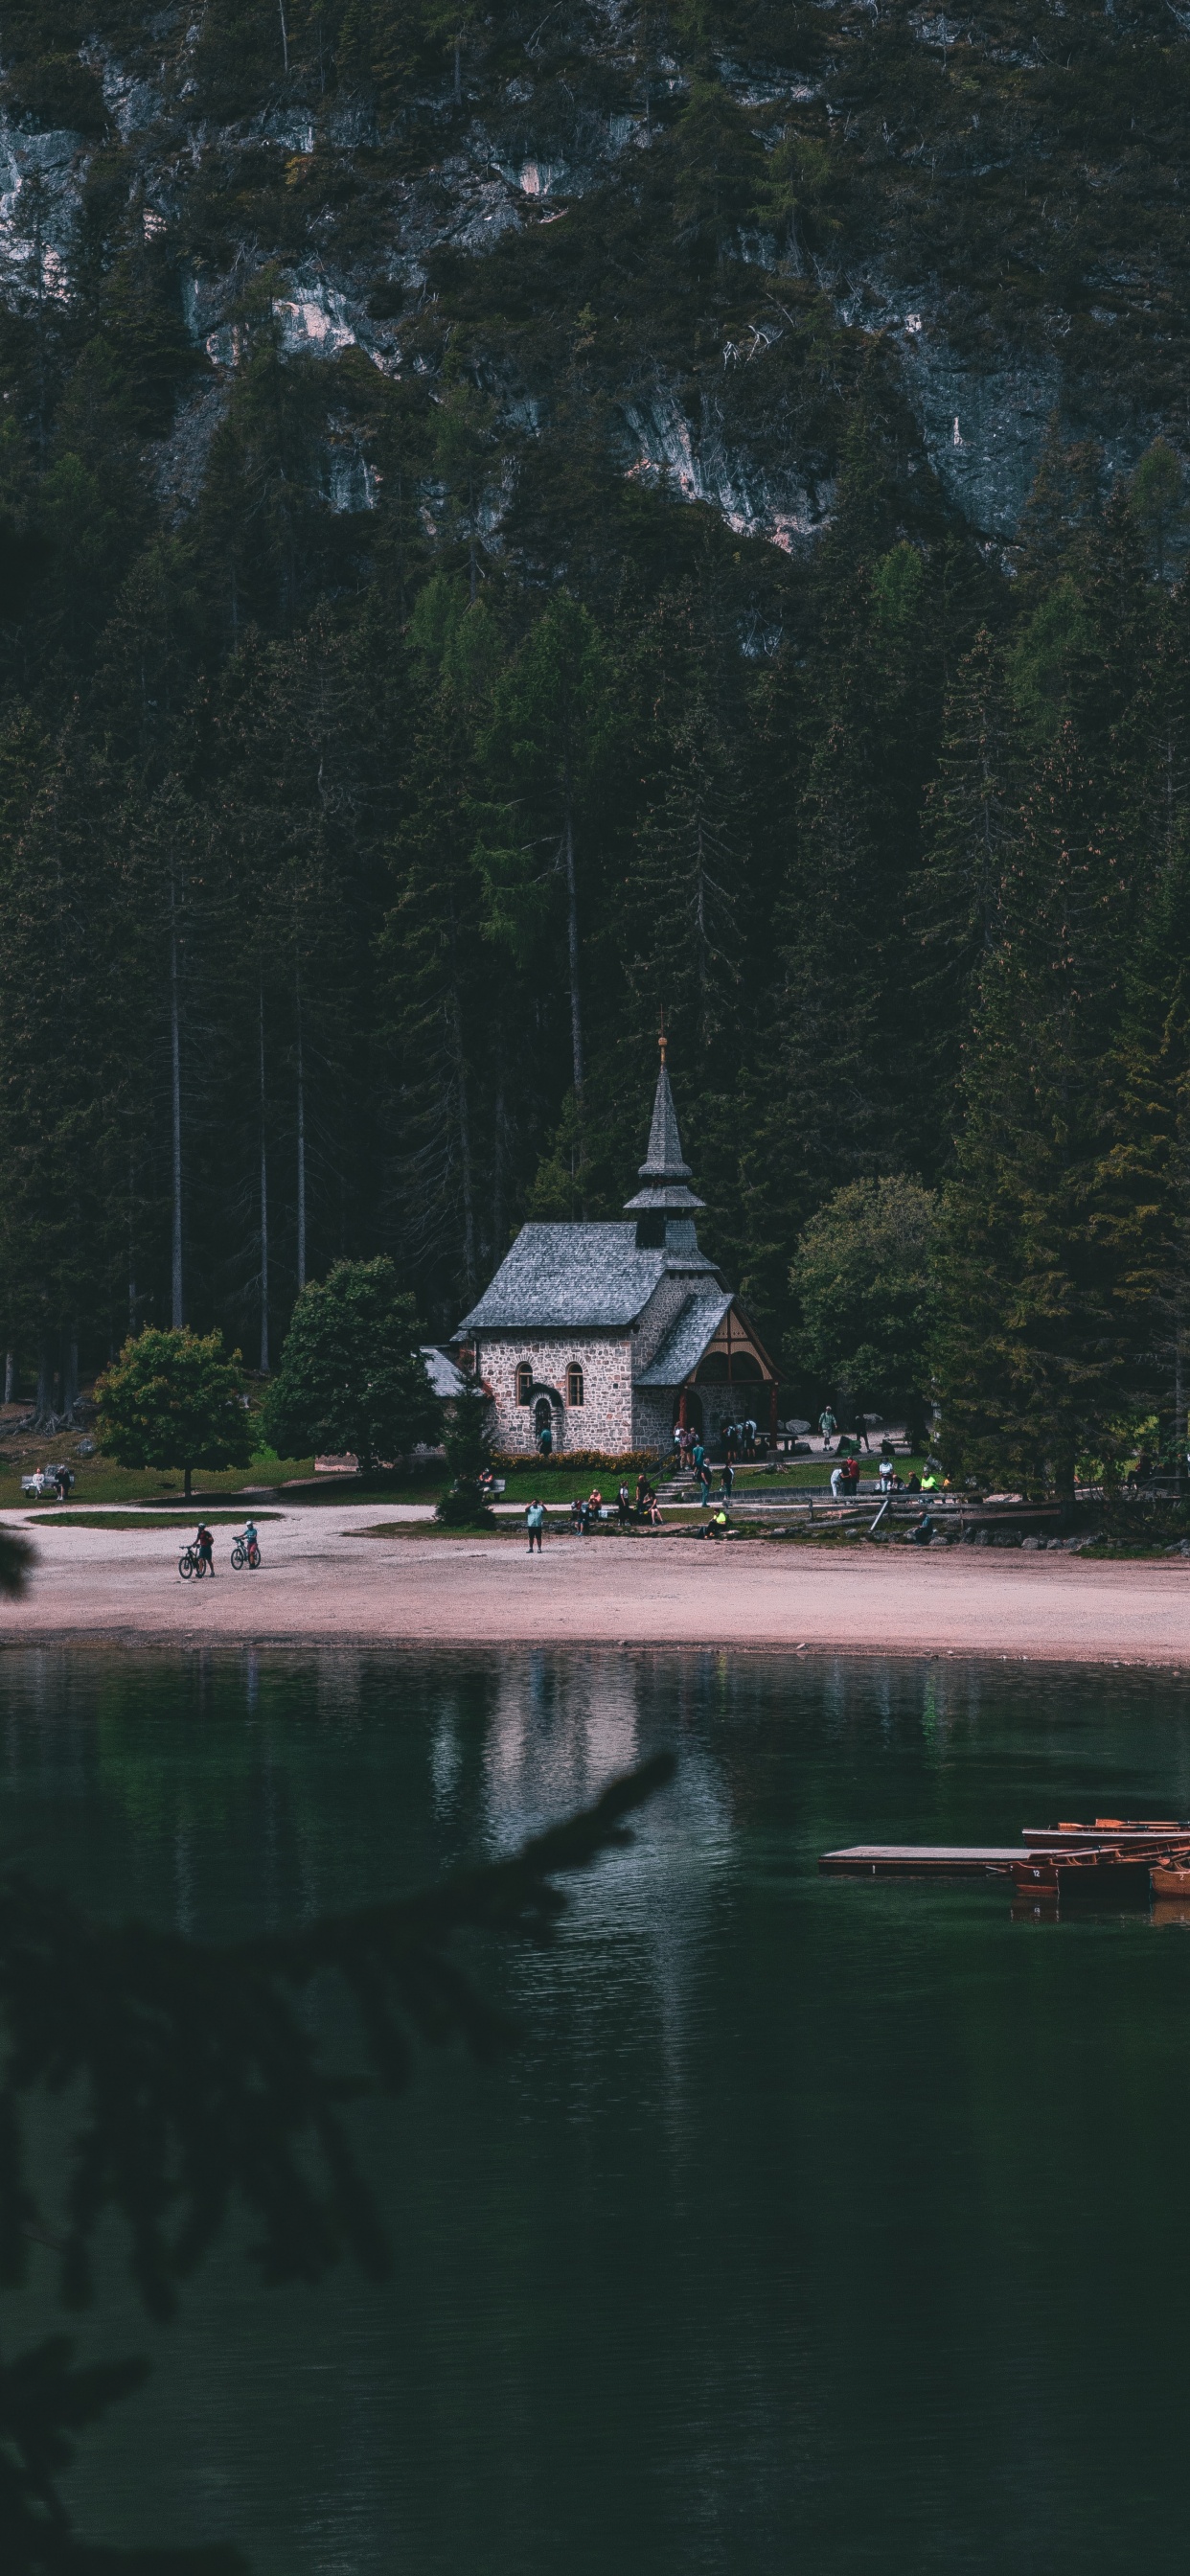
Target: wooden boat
[1169,1880]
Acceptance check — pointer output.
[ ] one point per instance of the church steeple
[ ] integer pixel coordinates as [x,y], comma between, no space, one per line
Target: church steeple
[665,1209]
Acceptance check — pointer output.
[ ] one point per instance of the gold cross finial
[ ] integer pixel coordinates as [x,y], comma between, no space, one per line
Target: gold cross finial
[663,1041]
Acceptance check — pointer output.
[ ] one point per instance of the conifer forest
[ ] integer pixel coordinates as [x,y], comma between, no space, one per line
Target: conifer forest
[512,521]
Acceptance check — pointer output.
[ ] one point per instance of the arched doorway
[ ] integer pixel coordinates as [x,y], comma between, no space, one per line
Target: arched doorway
[543,1415]
[693,1403]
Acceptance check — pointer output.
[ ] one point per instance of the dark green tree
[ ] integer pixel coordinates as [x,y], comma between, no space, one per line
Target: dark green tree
[863,1276]
[464,1505]
[351,1376]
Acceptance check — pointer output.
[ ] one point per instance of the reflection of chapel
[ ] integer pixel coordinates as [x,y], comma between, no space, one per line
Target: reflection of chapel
[612,1333]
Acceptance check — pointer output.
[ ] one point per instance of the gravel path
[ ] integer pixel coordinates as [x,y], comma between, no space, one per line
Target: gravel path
[324,1579]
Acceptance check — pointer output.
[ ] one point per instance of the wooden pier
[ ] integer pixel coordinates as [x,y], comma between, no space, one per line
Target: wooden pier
[1112,1856]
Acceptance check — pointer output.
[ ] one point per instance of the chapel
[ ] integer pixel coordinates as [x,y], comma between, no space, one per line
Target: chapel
[611,1333]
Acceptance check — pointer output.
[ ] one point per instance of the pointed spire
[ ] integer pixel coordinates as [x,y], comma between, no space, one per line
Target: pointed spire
[663,1162]
[663,1170]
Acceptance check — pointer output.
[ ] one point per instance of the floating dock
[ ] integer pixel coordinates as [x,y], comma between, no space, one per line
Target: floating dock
[1114,1855]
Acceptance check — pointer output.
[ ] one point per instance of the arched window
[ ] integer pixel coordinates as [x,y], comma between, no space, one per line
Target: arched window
[574,1383]
[524,1383]
[745,1369]
[713,1370]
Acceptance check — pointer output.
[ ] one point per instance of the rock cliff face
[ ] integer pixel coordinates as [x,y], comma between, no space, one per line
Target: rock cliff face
[702,226]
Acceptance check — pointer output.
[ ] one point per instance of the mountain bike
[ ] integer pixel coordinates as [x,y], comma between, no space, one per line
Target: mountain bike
[241,1555]
[192,1562]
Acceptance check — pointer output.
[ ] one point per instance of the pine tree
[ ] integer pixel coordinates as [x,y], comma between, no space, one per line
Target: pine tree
[1034,1340]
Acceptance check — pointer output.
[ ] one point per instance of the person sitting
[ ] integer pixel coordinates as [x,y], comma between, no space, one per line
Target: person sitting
[886,1472]
[653,1508]
[913,1483]
[923,1532]
[594,1505]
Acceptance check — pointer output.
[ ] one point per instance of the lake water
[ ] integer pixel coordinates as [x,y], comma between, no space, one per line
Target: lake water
[813,2225]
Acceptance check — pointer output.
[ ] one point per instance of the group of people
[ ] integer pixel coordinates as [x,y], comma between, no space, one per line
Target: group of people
[739,1440]
[695,1457]
[204,1543]
[586,1510]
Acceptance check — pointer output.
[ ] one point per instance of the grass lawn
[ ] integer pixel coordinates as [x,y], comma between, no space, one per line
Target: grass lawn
[55,1519]
[96,1480]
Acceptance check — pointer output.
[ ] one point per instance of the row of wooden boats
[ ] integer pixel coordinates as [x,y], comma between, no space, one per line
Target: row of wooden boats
[1114,1857]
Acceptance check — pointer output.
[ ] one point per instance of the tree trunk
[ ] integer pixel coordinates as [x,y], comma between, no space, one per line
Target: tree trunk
[284,36]
[70,1372]
[572,951]
[464,1123]
[264,1209]
[1179,1408]
[175,1044]
[10,1376]
[458,70]
[301,1150]
[45,1378]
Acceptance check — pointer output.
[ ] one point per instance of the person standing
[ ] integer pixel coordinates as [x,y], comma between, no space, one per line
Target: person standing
[535,1523]
[704,1482]
[728,1484]
[545,1440]
[837,1475]
[624,1506]
[827,1426]
[205,1543]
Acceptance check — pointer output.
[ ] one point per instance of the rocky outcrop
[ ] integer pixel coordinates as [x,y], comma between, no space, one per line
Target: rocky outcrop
[731,435]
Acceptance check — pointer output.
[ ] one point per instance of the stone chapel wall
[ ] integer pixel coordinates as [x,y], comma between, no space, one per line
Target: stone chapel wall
[602,1421]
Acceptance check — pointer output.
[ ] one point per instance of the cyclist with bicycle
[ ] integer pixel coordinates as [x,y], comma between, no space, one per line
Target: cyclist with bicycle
[205,1544]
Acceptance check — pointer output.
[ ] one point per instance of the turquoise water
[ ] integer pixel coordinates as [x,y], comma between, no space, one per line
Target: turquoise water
[812,2226]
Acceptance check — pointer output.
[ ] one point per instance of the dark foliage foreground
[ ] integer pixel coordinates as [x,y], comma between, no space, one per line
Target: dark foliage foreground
[203,2082]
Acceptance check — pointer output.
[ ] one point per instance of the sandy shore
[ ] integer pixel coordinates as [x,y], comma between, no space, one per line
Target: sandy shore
[324,1579]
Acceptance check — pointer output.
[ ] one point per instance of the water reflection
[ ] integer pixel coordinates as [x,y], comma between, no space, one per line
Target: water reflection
[811,2224]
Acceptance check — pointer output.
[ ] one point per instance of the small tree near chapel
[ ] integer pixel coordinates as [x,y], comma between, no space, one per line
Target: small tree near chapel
[174,1399]
[351,1376]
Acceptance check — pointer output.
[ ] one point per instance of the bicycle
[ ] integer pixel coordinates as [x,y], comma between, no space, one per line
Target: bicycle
[241,1555]
[192,1561]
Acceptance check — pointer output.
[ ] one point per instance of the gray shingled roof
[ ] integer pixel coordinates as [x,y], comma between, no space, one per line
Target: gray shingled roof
[568,1275]
[687,1338]
[444,1377]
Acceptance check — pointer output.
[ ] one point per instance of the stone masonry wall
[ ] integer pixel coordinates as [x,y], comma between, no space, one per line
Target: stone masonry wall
[602,1421]
[652,1418]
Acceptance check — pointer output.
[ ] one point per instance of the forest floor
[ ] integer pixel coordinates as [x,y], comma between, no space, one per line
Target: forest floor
[347,1576]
